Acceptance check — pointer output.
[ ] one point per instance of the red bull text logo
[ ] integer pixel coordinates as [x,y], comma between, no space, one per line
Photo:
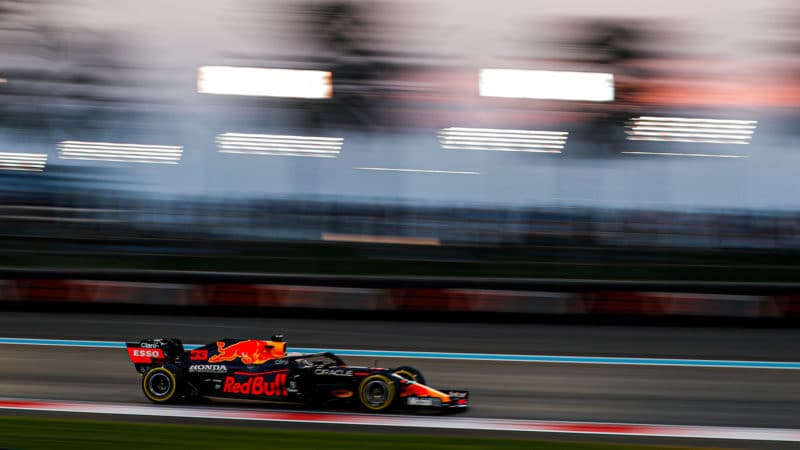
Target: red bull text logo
[250,352]
[257,386]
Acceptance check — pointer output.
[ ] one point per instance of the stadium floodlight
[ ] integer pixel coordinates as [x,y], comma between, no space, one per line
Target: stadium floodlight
[391,169]
[279,145]
[547,85]
[502,140]
[263,82]
[28,162]
[678,129]
[118,152]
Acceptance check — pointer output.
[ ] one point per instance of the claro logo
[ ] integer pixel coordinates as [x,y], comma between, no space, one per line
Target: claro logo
[257,386]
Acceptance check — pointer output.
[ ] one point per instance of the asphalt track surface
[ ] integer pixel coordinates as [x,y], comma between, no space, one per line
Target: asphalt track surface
[547,391]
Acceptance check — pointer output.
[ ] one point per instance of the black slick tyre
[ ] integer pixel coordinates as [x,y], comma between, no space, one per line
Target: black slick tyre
[160,385]
[410,373]
[377,392]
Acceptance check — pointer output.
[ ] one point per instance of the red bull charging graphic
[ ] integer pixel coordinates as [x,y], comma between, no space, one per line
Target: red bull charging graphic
[249,352]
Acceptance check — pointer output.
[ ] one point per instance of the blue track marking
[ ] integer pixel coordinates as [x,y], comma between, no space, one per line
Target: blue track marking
[461,356]
[62,343]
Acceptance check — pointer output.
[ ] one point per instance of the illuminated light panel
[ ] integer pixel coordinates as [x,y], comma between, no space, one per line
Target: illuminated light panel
[547,85]
[279,145]
[372,239]
[390,169]
[116,152]
[261,82]
[28,162]
[503,140]
[699,155]
[677,129]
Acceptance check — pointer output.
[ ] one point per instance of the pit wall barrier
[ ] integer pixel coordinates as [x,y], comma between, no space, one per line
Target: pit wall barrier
[607,302]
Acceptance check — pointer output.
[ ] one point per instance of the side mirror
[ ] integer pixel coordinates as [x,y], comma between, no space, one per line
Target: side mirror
[277,338]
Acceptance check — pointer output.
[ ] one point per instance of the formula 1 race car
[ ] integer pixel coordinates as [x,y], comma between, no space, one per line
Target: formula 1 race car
[263,370]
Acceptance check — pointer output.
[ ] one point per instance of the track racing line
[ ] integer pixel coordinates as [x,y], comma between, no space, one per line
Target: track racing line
[450,422]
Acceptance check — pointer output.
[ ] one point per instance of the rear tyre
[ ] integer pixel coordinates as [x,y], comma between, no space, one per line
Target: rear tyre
[377,392]
[410,373]
[160,385]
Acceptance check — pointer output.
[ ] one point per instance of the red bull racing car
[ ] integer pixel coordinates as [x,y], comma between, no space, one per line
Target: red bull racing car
[263,370]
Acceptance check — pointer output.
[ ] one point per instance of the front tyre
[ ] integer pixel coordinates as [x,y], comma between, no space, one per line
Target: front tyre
[410,373]
[160,385]
[377,392]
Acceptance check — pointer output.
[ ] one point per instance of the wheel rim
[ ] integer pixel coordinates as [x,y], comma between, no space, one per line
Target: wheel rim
[376,392]
[159,384]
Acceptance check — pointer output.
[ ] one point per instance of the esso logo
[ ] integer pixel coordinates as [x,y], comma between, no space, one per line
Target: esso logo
[148,353]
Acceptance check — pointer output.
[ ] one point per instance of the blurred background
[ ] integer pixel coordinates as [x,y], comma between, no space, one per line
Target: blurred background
[537,139]
[514,165]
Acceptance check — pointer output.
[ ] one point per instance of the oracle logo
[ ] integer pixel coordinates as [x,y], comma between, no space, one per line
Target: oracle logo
[335,372]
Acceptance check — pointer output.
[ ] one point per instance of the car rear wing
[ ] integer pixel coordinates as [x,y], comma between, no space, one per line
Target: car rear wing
[154,352]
